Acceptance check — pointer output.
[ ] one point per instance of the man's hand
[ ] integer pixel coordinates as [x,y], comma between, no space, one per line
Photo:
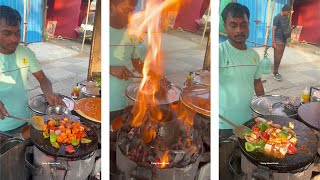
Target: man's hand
[54,99]
[3,111]
[274,44]
[120,72]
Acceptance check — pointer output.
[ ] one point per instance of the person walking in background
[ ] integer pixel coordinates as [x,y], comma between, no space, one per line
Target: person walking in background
[281,31]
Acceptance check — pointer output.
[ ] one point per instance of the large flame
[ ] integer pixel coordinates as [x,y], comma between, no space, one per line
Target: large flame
[164,160]
[150,20]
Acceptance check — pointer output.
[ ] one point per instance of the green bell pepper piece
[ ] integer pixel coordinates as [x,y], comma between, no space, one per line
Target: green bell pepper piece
[284,133]
[247,132]
[45,135]
[85,140]
[53,137]
[75,142]
[55,144]
[263,126]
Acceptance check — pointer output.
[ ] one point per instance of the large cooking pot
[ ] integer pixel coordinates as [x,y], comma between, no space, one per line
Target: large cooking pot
[307,148]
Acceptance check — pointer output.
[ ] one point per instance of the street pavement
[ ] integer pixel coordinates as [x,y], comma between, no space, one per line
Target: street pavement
[300,68]
[65,65]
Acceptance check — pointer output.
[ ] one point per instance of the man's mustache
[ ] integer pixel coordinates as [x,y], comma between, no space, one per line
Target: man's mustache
[240,35]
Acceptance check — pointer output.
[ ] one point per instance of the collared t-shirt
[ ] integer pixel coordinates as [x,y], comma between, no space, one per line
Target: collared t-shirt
[123,48]
[14,69]
[237,71]
[283,27]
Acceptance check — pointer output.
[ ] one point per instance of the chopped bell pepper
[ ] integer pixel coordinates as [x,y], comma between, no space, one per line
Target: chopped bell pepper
[284,133]
[247,132]
[263,126]
[85,140]
[53,137]
[75,142]
[55,144]
[45,135]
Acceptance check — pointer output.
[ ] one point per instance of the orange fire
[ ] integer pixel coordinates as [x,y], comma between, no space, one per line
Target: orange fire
[149,20]
[164,160]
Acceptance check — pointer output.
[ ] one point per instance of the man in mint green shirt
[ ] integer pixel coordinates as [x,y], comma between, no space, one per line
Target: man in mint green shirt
[239,69]
[124,55]
[16,61]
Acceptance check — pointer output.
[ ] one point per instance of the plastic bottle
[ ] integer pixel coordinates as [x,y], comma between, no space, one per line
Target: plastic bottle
[305,95]
[75,93]
[266,65]
[189,80]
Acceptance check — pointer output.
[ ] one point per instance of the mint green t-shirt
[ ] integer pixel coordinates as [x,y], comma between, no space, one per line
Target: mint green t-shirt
[237,71]
[123,48]
[14,69]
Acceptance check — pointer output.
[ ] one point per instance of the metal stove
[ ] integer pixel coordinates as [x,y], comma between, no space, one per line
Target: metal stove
[251,171]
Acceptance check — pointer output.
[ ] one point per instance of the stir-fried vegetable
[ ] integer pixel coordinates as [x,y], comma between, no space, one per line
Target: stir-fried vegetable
[271,139]
[65,132]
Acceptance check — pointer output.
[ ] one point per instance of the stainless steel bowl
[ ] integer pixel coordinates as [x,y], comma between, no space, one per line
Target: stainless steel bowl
[58,110]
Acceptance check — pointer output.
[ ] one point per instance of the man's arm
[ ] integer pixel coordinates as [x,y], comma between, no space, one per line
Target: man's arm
[274,43]
[258,87]
[46,87]
[137,65]
[3,111]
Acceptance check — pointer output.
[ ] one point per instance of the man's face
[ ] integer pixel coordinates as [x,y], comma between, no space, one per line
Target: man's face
[237,28]
[286,13]
[123,10]
[9,37]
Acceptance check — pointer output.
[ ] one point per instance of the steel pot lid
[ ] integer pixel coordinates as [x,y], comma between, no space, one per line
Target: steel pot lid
[39,104]
[272,105]
[197,97]
[172,94]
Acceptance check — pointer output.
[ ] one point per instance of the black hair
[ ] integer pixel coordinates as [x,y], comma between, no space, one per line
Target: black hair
[119,1]
[236,10]
[286,7]
[11,16]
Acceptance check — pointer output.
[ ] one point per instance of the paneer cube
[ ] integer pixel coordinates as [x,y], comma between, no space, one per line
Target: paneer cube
[268,148]
[283,151]
[294,141]
[291,125]
[254,136]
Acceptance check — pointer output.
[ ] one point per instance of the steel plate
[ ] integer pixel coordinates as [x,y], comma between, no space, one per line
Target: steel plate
[265,105]
[197,97]
[39,104]
[173,93]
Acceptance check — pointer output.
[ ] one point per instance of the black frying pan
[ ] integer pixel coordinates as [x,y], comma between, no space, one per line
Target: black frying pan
[80,151]
[309,113]
[307,147]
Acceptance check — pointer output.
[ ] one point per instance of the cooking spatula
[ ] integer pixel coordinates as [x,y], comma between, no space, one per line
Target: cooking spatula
[37,124]
[237,130]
